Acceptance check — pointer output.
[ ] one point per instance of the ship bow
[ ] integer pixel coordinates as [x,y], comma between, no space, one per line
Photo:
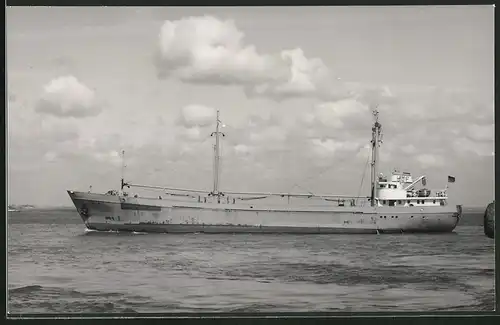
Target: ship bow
[80,202]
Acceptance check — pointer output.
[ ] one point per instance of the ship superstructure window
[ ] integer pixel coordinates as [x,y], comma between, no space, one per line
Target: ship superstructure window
[399,201]
[391,203]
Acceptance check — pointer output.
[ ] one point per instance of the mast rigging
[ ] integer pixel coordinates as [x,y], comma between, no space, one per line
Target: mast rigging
[217,133]
[376,141]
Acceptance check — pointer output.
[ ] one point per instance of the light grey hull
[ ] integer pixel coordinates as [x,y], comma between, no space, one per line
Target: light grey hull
[107,212]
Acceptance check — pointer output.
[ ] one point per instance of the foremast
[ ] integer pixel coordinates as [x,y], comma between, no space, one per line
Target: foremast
[376,141]
[217,134]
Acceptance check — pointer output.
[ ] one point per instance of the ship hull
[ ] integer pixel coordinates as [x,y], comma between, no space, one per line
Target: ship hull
[116,213]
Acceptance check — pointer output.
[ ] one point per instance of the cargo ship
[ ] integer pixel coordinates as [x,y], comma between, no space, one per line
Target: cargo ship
[394,205]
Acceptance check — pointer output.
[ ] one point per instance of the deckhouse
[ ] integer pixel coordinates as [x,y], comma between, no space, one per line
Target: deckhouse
[399,190]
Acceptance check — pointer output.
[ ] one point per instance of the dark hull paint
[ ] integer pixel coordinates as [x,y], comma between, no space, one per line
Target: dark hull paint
[234,229]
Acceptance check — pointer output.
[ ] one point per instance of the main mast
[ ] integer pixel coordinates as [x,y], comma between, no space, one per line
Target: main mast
[376,141]
[217,133]
[123,184]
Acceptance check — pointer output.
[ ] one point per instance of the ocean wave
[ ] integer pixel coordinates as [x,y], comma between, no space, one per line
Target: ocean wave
[30,289]
[255,307]
[53,299]
[25,290]
[335,273]
[61,271]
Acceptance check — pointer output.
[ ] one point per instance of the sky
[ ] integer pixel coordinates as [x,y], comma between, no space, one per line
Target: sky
[294,86]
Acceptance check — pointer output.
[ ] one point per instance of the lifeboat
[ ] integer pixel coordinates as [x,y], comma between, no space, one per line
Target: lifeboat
[424,192]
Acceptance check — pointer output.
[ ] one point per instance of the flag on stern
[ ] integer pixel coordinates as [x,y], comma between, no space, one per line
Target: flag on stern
[451,179]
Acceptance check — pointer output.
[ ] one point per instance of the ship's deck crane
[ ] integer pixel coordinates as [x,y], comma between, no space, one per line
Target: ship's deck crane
[410,187]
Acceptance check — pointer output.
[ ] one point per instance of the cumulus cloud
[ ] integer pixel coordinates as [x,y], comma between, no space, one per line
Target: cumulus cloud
[197,116]
[67,97]
[412,106]
[112,157]
[428,160]
[430,120]
[271,133]
[242,150]
[465,146]
[409,149]
[481,132]
[193,127]
[192,134]
[348,113]
[207,49]
[212,51]
[330,147]
[50,156]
